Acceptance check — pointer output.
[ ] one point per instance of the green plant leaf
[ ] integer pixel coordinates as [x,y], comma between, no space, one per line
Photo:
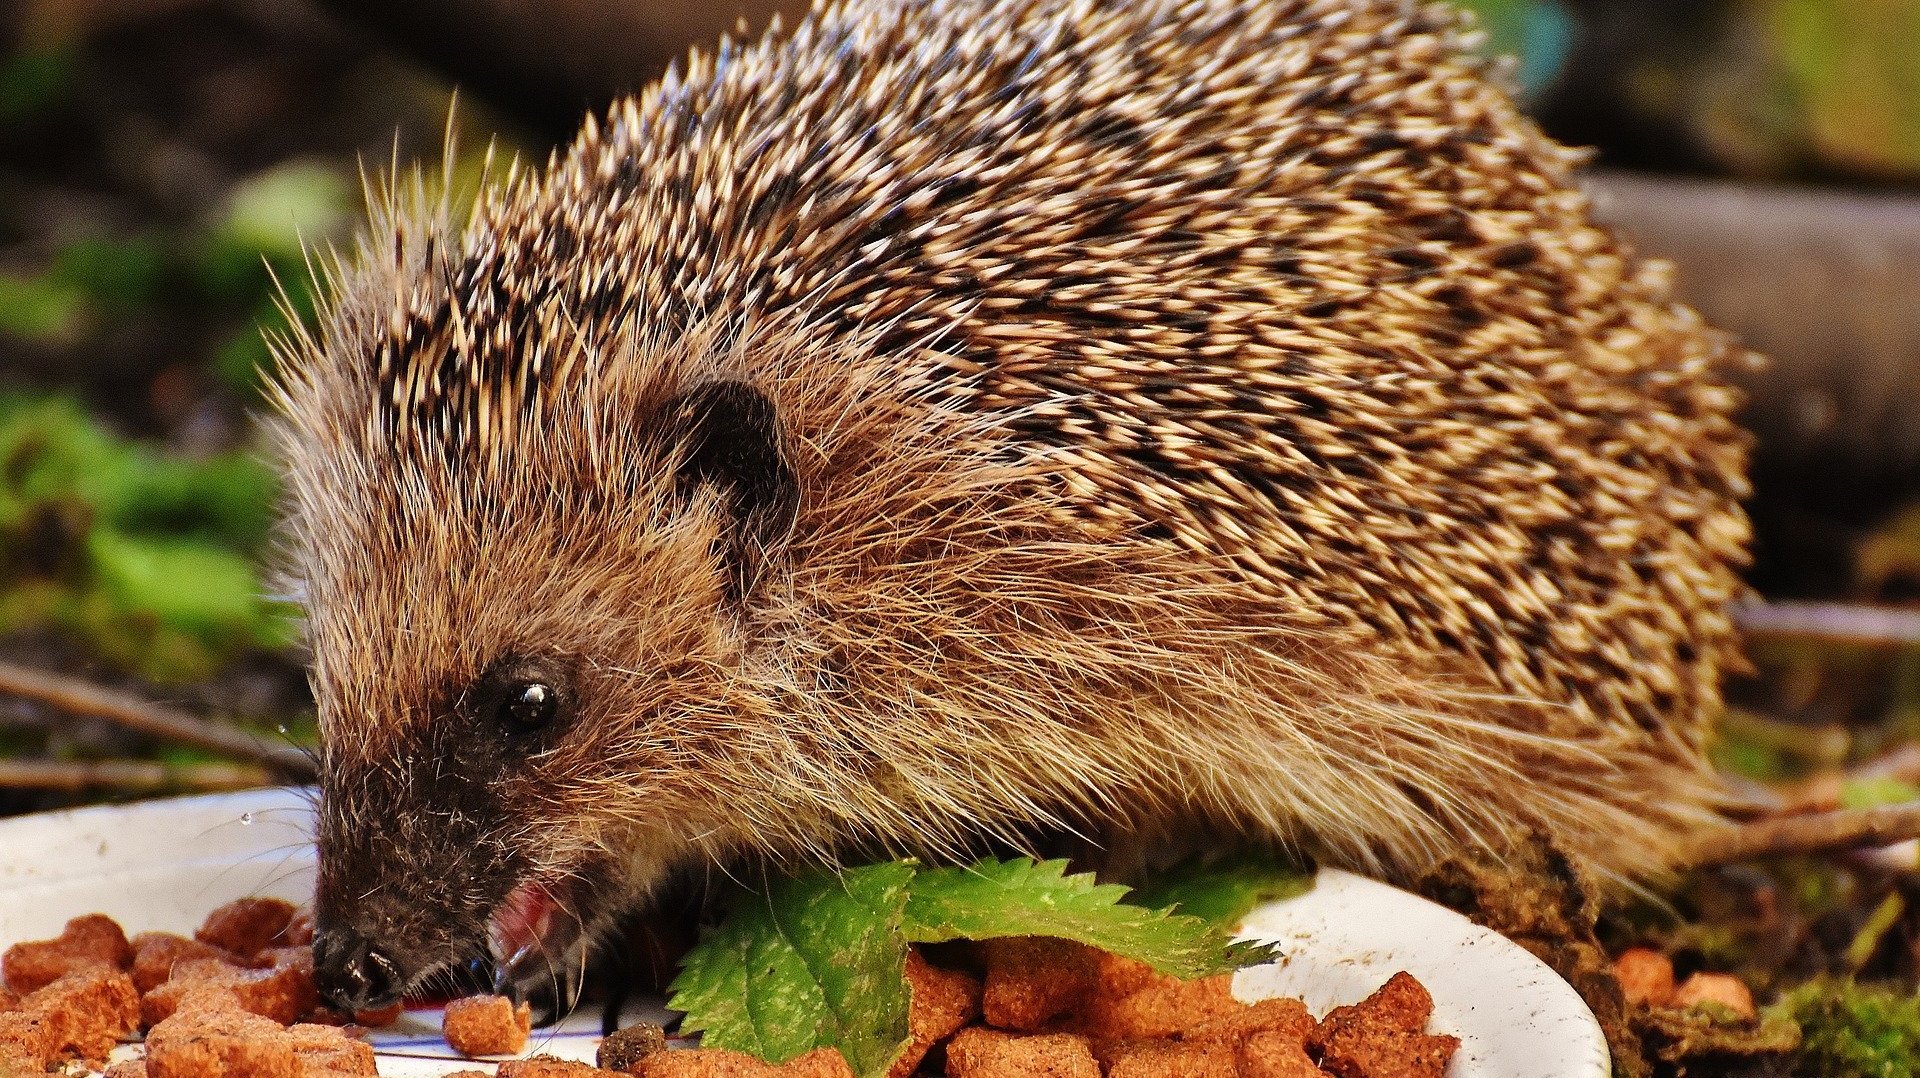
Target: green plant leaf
[817,961]
[1027,898]
[1224,890]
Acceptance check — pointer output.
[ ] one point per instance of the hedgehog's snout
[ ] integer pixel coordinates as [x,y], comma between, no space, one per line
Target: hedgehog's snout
[403,890]
[369,952]
[353,973]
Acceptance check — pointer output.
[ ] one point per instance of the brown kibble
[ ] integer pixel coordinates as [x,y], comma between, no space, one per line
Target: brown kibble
[208,1042]
[326,1049]
[547,1067]
[721,1063]
[155,954]
[1276,1054]
[703,1063]
[1032,980]
[979,1052]
[1106,1050]
[299,931]
[80,1016]
[1722,989]
[487,1026]
[1382,1035]
[1174,1059]
[468,1074]
[941,1002]
[94,1008]
[1163,1008]
[1360,1053]
[16,1059]
[1401,1004]
[247,926]
[1288,1017]
[1646,976]
[324,1015]
[93,940]
[624,1047]
[380,1018]
[283,992]
[220,1013]
[26,1041]
[819,1063]
[1118,976]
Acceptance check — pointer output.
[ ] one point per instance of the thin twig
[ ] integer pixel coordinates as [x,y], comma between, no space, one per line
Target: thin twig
[1811,833]
[79,697]
[1848,623]
[1821,282]
[137,775]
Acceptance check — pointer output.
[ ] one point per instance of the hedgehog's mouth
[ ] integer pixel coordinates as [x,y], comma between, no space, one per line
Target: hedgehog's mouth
[533,936]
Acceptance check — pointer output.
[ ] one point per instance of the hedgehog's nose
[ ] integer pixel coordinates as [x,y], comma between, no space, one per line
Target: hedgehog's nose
[354,975]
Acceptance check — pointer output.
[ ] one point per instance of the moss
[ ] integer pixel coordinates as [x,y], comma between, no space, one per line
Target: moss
[1852,1030]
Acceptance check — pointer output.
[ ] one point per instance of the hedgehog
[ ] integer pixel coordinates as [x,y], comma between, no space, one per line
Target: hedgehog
[936,424]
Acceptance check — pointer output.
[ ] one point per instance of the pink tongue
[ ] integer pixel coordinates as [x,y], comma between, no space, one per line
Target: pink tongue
[521,921]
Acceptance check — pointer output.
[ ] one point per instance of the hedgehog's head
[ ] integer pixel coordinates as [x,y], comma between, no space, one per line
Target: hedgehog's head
[526,544]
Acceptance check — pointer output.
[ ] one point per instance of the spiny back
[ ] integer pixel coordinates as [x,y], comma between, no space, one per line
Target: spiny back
[1288,287]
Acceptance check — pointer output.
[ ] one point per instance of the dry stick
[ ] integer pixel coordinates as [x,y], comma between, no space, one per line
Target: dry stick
[1846,623]
[1812,833]
[138,775]
[1819,281]
[78,697]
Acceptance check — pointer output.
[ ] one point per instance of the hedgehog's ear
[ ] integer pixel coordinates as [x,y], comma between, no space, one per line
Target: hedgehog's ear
[727,436]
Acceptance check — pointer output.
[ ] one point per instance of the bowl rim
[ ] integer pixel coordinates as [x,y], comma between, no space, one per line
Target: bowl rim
[1515,1017]
[1338,941]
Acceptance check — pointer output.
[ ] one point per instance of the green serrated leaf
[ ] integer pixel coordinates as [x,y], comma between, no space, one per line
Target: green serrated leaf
[1025,898]
[1225,890]
[818,961]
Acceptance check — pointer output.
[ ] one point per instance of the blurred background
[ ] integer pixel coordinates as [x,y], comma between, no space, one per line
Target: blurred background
[162,162]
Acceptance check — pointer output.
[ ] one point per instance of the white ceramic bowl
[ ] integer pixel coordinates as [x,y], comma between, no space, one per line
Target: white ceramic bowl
[1515,1017]
[161,865]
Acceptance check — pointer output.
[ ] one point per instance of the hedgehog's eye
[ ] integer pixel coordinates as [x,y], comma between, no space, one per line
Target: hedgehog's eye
[521,695]
[529,706]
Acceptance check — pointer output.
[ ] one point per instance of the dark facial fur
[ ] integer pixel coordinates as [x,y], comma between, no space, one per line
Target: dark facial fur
[946,419]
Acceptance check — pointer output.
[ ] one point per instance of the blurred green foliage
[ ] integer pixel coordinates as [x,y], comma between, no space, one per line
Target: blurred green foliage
[1767,749]
[1876,792]
[32,78]
[1755,87]
[40,308]
[1853,1030]
[1849,75]
[148,557]
[230,271]
[1537,33]
[258,243]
